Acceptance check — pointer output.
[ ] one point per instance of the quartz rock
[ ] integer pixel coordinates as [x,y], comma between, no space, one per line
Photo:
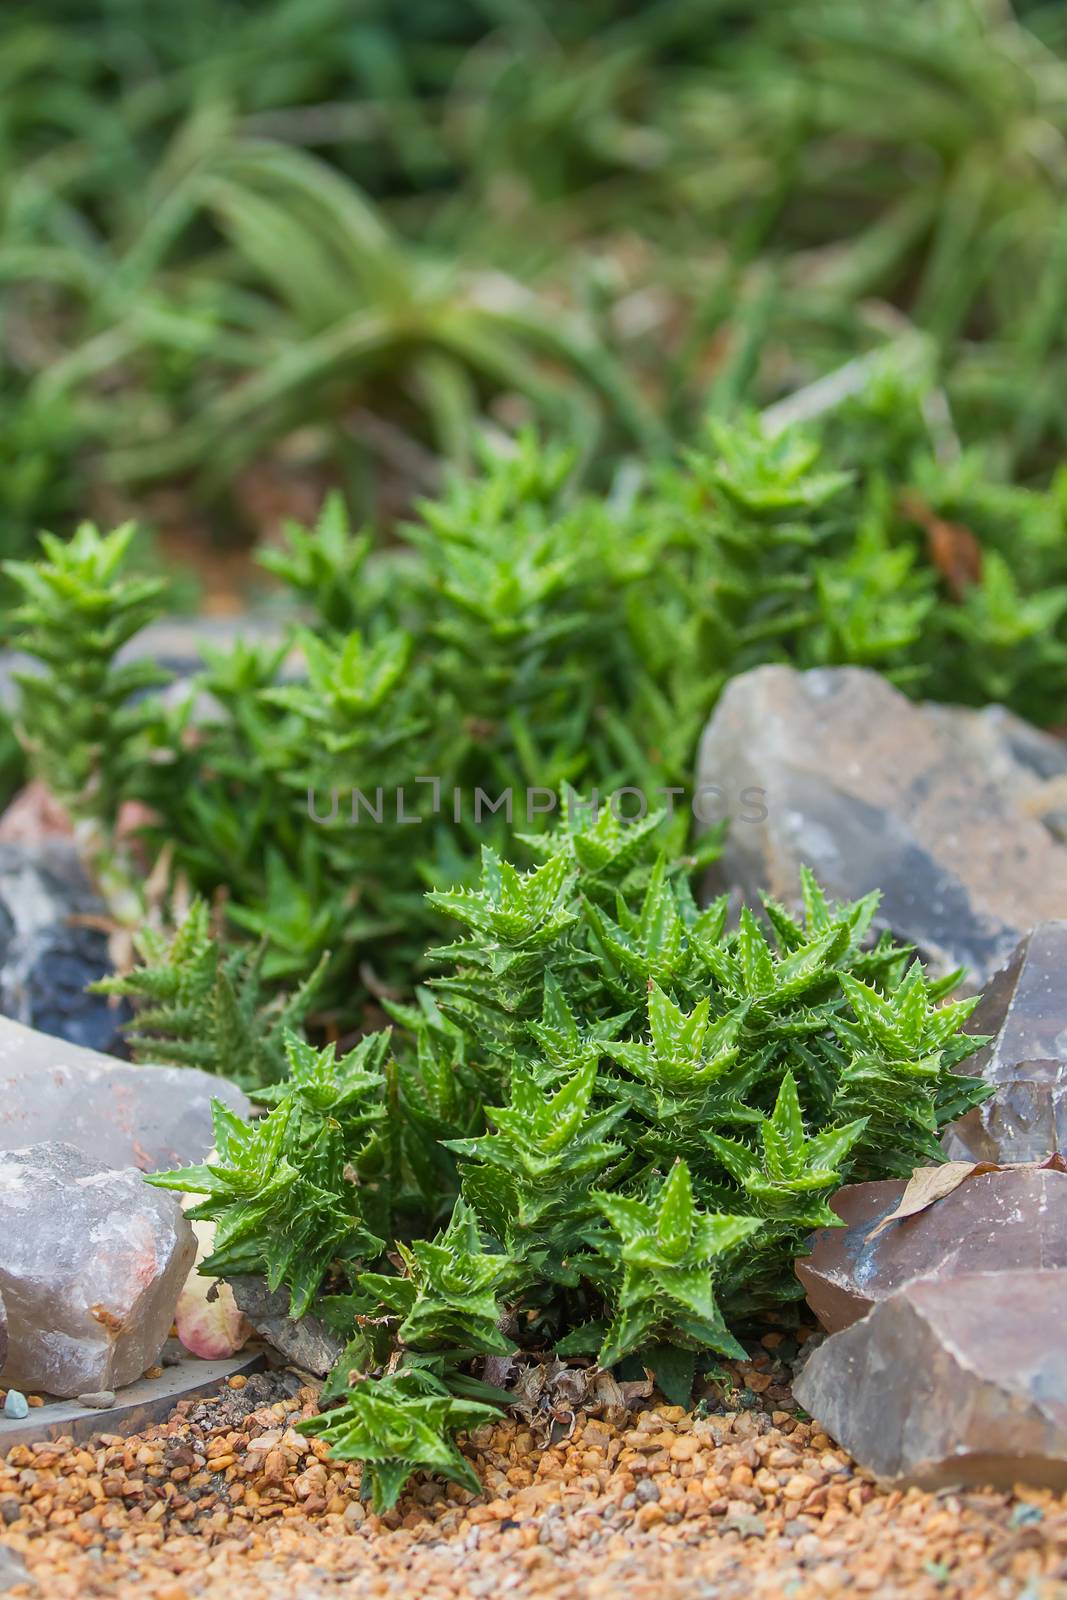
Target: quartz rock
[207,1319]
[92,1264]
[307,1343]
[956,1380]
[150,1117]
[1024,1008]
[1014,1218]
[949,812]
[49,948]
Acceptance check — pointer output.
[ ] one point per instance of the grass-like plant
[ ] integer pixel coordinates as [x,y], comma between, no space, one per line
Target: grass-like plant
[525,636]
[351,239]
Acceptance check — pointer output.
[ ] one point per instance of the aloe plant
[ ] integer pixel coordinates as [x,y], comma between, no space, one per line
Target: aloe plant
[659,1110]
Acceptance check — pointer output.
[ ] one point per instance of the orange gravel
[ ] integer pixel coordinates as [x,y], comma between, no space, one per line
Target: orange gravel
[229,1502]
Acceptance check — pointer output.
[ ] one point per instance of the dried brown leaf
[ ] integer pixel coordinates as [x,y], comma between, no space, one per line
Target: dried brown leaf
[953,550]
[928,1185]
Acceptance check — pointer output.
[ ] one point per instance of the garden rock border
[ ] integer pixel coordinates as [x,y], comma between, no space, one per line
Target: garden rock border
[136,1406]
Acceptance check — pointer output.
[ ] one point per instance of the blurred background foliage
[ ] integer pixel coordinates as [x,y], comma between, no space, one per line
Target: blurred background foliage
[252,251]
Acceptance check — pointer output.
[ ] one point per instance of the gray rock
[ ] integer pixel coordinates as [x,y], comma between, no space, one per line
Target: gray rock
[128,1116]
[175,643]
[91,1268]
[1024,1009]
[50,949]
[956,1380]
[3,1331]
[307,1344]
[949,812]
[102,1400]
[12,1568]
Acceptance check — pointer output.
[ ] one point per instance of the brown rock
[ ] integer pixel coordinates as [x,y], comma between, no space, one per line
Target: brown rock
[33,816]
[1015,1218]
[958,1380]
[947,811]
[1025,1010]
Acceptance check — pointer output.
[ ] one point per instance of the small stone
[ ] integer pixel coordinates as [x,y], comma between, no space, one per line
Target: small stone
[91,1286]
[12,1569]
[940,808]
[747,1525]
[16,1405]
[799,1486]
[238,1381]
[98,1400]
[1015,1218]
[957,1380]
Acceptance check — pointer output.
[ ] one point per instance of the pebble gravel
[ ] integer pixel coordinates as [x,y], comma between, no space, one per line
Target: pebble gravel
[226,1501]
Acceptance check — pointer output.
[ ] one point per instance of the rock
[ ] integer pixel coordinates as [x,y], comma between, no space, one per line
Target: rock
[50,948]
[178,644]
[3,1331]
[1024,1008]
[307,1344]
[34,816]
[959,1380]
[13,1569]
[99,1400]
[16,1405]
[148,1117]
[1015,1218]
[207,1319]
[91,1269]
[949,812]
